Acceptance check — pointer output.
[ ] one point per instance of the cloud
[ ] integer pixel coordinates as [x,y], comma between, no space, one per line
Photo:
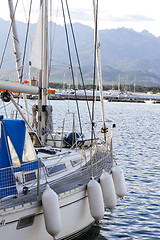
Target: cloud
[131,18]
[81,15]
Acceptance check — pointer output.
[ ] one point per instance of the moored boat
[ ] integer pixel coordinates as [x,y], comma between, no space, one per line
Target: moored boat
[45,174]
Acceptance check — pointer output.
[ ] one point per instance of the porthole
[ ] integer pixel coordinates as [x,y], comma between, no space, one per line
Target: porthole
[26,221]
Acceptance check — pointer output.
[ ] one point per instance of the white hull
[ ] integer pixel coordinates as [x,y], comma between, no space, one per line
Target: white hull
[73,222]
[68,173]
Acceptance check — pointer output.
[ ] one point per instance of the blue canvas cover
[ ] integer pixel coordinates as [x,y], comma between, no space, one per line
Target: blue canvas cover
[15,129]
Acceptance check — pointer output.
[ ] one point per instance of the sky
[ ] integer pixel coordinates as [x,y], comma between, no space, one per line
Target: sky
[136,14]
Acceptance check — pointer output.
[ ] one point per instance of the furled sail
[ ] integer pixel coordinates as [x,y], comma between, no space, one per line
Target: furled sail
[36,53]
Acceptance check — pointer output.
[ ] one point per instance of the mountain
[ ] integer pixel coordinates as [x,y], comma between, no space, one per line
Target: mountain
[127,56]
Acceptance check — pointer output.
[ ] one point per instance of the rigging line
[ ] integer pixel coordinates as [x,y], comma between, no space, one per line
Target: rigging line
[6,104]
[13,70]
[8,35]
[68,46]
[50,59]
[4,107]
[22,108]
[75,45]
[16,43]
[8,59]
[2,74]
[7,148]
[94,74]
[51,45]
[99,76]
[25,46]
[24,9]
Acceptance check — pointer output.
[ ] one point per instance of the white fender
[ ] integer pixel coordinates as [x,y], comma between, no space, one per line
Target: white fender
[108,190]
[119,181]
[95,198]
[51,211]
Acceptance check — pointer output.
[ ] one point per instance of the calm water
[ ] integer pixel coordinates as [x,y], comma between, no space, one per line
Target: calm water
[137,151]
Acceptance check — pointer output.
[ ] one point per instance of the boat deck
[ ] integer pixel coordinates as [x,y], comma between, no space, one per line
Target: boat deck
[79,178]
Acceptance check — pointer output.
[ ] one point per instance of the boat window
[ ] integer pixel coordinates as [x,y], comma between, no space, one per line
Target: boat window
[30,176]
[75,162]
[35,139]
[55,169]
[26,221]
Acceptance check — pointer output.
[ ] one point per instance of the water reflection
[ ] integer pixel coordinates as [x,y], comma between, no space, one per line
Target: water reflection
[92,234]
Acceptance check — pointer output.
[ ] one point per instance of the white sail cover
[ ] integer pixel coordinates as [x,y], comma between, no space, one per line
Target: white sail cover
[17,87]
[14,155]
[29,153]
[36,53]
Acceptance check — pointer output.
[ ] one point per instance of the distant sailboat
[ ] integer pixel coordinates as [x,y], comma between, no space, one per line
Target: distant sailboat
[150,101]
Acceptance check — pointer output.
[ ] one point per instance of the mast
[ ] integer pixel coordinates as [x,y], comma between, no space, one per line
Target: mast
[43,73]
[17,51]
[45,54]
[99,70]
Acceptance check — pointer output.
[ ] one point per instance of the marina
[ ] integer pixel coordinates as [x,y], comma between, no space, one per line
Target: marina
[54,182]
[133,98]
[77,164]
[136,149]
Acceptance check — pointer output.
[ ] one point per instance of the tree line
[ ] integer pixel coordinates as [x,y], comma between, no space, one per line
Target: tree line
[123,88]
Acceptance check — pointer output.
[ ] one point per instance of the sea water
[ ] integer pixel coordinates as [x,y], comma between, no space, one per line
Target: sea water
[136,148]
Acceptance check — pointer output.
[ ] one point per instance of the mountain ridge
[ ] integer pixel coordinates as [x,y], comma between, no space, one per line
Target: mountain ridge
[126,55]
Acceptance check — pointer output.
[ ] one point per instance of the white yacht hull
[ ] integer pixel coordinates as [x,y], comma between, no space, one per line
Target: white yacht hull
[75,215]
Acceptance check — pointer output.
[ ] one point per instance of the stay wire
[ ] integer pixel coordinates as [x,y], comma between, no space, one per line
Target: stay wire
[26,39]
[80,69]
[71,66]
[25,47]
[8,35]
[94,74]
[52,35]
[7,147]
[50,58]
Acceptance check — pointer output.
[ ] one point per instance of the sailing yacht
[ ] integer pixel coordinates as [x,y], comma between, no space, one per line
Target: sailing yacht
[53,185]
